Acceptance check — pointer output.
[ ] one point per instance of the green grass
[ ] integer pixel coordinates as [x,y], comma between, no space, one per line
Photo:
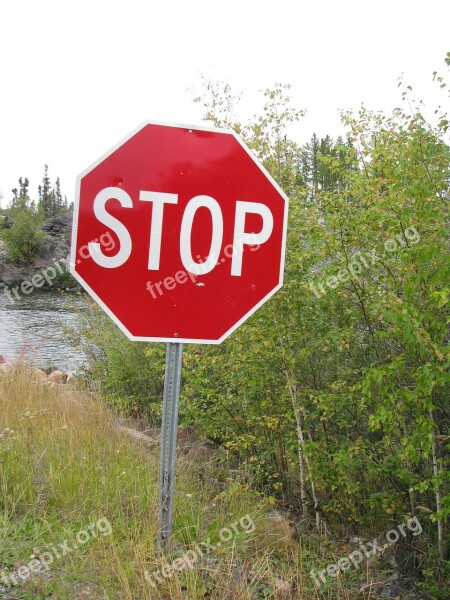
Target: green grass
[64,466]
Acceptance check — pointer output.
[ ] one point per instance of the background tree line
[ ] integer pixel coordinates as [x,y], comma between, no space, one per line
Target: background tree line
[337,401]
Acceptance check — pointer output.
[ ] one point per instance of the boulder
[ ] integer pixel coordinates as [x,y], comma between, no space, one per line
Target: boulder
[137,435]
[55,247]
[39,375]
[59,224]
[70,377]
[281,529]
[57,377]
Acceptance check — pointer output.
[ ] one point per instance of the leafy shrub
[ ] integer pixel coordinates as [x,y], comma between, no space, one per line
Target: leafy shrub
[131,374]
[24,238]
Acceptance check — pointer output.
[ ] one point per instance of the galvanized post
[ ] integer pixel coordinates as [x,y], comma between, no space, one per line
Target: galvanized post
[169,429]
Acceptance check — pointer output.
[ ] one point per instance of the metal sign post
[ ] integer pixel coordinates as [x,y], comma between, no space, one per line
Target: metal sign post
[169,430]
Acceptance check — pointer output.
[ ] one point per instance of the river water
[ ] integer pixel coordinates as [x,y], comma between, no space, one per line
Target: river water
[34,327]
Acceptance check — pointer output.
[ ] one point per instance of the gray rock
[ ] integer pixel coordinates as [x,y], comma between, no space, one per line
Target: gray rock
[55,249]
[59,224]
[392,590]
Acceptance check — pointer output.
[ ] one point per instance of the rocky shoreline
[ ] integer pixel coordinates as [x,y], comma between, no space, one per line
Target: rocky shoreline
[55,248]
[55,377]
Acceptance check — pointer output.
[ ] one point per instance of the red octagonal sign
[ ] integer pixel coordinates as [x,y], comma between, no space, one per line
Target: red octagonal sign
[179,233]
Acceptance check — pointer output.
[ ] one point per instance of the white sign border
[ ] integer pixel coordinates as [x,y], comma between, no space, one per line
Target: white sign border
[101,303]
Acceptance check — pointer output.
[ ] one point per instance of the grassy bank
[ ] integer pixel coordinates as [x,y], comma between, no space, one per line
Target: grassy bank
[69,477]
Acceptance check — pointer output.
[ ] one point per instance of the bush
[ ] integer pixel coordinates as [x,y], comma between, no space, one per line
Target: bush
[131,374]
[24,238]
[64,280]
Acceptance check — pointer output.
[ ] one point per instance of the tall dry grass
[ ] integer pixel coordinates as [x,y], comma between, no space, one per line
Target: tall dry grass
[64,465]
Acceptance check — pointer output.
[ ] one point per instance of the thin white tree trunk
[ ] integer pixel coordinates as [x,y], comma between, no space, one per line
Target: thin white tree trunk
[437,493]
[313,492]
[301,457]
[303,461]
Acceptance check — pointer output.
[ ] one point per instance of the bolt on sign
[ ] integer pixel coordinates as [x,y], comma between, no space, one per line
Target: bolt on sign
[199,232]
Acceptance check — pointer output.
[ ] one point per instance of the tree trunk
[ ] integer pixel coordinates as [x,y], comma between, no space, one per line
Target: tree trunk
[301,458]
[440,532]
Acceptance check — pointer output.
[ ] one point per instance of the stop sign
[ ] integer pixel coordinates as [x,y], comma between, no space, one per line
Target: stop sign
[179,233]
